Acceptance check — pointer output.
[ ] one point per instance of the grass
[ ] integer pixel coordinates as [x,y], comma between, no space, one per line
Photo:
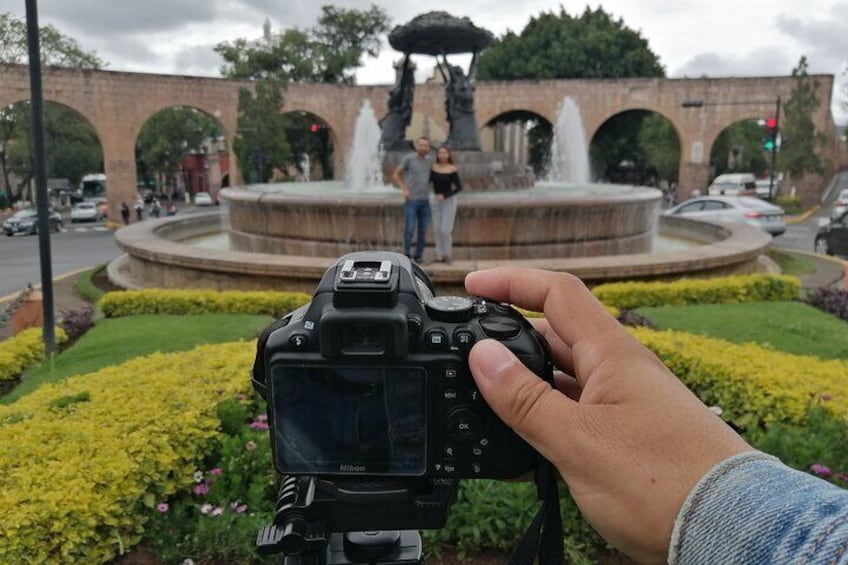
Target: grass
[793,327]
[86,287]
[115,340]
[793,263]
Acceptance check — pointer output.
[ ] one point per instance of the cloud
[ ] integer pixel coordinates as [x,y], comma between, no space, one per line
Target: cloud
[760,62]
[823,38]
[197,60]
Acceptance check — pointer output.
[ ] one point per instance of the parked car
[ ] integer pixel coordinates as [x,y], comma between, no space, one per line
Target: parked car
[762,188]
[733,184]
[740,209]
[203,199]
[26,222]
[832,238]
[85,212]
[841,205]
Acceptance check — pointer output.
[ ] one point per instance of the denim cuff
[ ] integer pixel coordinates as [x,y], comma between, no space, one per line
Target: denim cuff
[751,508]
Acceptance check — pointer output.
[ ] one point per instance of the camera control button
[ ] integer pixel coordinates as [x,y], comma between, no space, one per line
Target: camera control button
[450,452]
[464,339]
[298,341]
[450,373]
[437,339]
[449,468]
[476,468]
[450,308]
[499,327]
[464,424]
[451,394]
[475,396]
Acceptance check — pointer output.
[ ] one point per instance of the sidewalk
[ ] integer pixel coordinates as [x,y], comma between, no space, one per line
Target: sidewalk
[65,298]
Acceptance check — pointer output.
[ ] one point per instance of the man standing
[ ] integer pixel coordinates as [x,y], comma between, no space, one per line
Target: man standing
[413,178]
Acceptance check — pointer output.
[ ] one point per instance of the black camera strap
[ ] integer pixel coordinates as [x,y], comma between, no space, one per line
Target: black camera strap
[544,536]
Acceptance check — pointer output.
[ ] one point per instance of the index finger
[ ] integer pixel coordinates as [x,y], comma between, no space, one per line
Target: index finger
[574,313]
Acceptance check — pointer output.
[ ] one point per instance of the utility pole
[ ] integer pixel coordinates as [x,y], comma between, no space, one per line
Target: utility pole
[41,197]
[774,149]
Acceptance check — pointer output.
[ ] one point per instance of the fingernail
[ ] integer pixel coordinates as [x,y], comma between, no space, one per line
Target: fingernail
[495,359]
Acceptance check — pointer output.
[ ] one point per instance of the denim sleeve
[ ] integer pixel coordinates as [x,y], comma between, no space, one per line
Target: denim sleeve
[751,508]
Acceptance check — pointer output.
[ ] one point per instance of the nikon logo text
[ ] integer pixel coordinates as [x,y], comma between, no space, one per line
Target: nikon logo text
[352,468]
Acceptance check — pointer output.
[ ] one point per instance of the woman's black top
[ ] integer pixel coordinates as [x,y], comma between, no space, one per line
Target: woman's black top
[446,184]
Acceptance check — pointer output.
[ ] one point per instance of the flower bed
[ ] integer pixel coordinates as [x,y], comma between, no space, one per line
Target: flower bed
[22,350]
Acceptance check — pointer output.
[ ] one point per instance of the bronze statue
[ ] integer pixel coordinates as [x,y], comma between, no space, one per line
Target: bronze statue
[394,124]
[459,103]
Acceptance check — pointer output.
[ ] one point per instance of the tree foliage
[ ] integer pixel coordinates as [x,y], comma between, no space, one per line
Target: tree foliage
[56,49]
[556,46]
[739,149]
[661,146]
[168,136]
[800,140]
[328,52]
[262,142]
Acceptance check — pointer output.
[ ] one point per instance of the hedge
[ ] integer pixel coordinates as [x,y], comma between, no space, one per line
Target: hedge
[81,462]
[22,350]
[160,301]
[724,290]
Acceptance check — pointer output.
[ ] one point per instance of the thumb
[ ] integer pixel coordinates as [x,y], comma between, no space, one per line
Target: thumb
[525,402]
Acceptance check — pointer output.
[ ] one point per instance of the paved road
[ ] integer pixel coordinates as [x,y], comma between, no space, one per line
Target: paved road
[77,246]
[802,236]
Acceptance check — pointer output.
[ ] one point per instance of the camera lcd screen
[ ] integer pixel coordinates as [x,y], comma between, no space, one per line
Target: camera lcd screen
[350,420]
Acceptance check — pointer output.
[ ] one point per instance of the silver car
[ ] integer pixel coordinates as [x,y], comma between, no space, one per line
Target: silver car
[840,206]
[739,209]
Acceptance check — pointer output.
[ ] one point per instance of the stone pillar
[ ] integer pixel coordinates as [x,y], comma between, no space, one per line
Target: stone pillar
[119,164]
[694,167]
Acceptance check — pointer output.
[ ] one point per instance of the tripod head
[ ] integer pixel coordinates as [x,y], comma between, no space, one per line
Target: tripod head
[324,520]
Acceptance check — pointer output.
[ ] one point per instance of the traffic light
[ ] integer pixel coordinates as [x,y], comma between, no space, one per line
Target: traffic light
[314,128]
[770,136]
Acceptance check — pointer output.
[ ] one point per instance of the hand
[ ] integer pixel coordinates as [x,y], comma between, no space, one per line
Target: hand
[406,194]
[440,198]
[627,436]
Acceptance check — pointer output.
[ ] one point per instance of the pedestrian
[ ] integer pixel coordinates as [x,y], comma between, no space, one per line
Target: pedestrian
[125,213]
[139,209]
[446,184]
[672,194]
[412,176]
[156,208]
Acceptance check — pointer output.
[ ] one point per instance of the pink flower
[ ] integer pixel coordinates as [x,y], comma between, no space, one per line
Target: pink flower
[206,508]
[216,471]
[259,425]
[162,507]
[250,446]
[820,470]
[841,476]
[217,511]
[241,508]
[201,489]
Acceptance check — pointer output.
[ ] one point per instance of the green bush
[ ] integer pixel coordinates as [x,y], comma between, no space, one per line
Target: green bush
[158,301]
[22,350]
[725,290]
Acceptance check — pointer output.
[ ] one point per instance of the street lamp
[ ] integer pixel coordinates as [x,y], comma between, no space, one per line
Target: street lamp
[774,128]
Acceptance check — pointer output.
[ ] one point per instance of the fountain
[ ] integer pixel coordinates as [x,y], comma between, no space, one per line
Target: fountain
[287,234]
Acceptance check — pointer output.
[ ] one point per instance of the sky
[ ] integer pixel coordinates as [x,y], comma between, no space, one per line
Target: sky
[692,38]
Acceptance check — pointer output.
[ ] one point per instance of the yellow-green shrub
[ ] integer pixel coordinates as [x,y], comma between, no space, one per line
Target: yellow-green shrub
[81,461]
[160,301]
[22,350]
[752,384]
[724,290]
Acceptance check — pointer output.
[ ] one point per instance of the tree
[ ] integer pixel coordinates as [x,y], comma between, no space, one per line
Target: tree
[327,52]
[71,145]
[661,146]
[739,148]
[557,46]
[799,138]
[166,138]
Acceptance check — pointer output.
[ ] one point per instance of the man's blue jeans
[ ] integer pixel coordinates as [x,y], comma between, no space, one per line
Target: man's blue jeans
[415,211]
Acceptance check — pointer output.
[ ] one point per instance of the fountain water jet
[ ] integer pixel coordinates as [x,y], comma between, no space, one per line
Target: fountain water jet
[569,158]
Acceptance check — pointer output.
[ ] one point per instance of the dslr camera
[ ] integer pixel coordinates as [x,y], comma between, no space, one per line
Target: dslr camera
[370,379]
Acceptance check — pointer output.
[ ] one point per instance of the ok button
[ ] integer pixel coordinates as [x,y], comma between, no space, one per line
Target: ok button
[463,424]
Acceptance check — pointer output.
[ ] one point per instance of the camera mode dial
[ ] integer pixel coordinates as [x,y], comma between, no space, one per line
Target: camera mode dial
[451,309]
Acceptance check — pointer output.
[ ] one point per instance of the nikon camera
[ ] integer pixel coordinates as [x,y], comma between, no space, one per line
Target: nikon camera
[371,378]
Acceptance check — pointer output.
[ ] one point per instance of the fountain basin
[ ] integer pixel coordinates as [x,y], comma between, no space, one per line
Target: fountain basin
[157,257]
[325,220]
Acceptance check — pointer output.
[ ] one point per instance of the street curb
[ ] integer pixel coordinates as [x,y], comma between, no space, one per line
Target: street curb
[55,279]
[803,217]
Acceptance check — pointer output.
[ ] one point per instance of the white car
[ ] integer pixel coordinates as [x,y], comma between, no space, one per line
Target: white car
[739,209]
[203,199]
[840,206]
[85,212]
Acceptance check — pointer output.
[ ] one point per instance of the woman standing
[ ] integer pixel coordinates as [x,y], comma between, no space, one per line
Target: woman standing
[446,184]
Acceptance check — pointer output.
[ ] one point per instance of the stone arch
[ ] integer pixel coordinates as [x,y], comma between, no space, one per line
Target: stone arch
[523,135]
[322,141]
[94,165]
[739,148]
[615,137]
[189,170]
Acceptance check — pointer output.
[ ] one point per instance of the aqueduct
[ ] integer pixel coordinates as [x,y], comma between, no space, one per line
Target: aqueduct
[117,104]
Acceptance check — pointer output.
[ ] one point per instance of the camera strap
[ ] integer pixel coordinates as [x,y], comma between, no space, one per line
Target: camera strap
[544,536]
